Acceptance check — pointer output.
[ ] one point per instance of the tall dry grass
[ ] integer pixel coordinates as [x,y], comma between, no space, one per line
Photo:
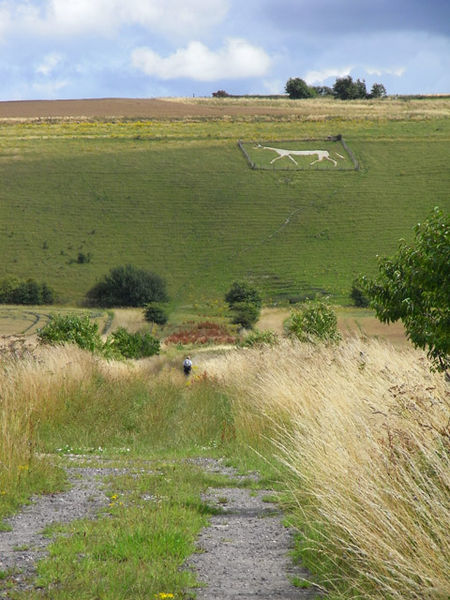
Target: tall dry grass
[364,430]
[34,389]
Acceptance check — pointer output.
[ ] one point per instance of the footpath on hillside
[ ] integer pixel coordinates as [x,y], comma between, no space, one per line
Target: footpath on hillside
[244,553]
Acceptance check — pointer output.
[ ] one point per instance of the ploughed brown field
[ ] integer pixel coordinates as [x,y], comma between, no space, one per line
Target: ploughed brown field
[127,107]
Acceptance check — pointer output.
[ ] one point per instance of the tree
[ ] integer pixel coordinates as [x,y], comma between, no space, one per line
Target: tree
[245,314]
[378,91]
[241,291]
[345,88]
[155,313]
[414,286]
[298,88]
[128,286]
[245,304]
[358,296]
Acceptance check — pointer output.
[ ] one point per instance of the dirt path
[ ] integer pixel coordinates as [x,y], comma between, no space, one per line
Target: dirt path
[24,545]
[244,552]
[245,549]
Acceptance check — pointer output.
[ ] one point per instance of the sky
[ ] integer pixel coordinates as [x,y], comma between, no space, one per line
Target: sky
[163,48]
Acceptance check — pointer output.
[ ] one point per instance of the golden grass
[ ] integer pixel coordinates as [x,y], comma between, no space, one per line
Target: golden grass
[321,108]
[363,428]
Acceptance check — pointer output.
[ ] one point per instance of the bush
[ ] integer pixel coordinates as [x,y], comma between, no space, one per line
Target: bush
[259,338]
[14,291]
[240,292]
[72,329]
[155,313]
[358,296]
[133,345]
[128,286]
[314,321]
[414,286]
[245,314]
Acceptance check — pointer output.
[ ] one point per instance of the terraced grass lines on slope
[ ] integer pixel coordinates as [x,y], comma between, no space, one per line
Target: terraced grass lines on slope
[187,206]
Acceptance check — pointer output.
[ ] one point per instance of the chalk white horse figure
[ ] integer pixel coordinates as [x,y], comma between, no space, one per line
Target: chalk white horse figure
[321,154]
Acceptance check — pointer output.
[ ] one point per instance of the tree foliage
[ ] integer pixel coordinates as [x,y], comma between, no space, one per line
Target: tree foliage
[298,88]
[72,329]
[378,91]
[15,291]
[414,286]
[345,88]
[155,313]
[133,345]
[242,291]
[245,314]
[128,286]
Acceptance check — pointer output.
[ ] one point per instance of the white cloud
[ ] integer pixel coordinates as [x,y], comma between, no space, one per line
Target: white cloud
[48,65]
[397,71]
[237,59]
[319,77]
[106,17]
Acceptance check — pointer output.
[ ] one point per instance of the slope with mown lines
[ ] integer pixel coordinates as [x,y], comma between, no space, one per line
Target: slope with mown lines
[194,212]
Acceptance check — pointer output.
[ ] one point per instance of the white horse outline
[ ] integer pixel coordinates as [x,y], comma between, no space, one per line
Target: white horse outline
[321,154]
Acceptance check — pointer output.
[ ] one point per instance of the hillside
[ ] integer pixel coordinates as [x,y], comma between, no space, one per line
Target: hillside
[177,196]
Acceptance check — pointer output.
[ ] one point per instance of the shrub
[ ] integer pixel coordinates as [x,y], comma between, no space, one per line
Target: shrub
[14,291]
[245,314]
[72,329]
[259,338]
[155,313]
[240,292]
[133,345]
[314,321]
[205,332]
[358,296]
[128,286]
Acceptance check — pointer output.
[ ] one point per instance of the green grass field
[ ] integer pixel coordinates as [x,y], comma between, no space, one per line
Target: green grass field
[179,198]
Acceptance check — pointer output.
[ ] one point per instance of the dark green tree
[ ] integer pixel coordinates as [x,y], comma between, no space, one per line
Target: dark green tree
[245,314]
[242,291]
[298,88]
[414,286]
[345,88]
[128,286]
[378,91]
[155,313]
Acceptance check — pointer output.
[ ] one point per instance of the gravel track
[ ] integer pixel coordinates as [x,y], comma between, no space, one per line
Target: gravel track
[24,545]
[242,554]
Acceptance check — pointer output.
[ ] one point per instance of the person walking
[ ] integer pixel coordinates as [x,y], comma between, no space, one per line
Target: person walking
[187,365]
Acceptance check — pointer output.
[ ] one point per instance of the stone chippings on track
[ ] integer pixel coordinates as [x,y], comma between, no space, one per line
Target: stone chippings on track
[24,545]
[244,552]
[245,548]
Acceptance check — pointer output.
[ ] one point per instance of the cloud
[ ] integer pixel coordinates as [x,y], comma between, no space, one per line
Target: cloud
[397,71]
[48,65]
[106,17]
[237,59]
[318,77]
